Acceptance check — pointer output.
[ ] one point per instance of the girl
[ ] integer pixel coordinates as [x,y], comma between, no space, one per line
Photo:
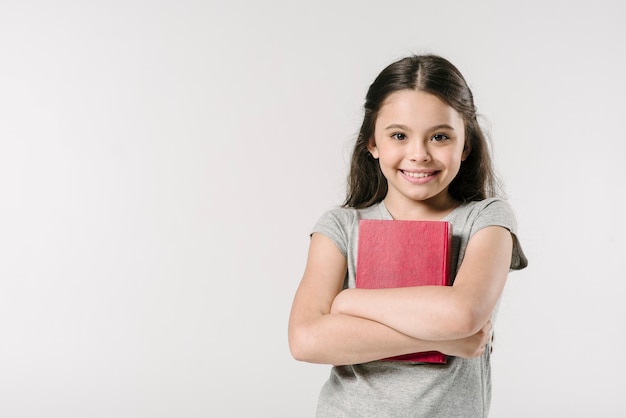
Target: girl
[420,155]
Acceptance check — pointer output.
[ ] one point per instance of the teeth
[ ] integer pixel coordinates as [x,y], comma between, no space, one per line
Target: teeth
[418,175]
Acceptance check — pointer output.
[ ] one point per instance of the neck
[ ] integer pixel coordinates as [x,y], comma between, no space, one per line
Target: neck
[433,209]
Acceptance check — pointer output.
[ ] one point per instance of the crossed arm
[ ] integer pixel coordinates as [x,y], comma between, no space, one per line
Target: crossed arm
[328,325]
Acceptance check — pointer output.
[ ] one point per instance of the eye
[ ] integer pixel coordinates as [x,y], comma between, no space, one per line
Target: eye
[440,137]
[398,136]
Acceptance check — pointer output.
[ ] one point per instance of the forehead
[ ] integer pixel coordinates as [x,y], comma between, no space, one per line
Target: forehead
[417,107]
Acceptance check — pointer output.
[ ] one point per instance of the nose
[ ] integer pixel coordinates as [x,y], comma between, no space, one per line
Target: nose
[418,151]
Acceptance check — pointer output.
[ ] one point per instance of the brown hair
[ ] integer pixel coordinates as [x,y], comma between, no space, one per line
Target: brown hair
[435,75]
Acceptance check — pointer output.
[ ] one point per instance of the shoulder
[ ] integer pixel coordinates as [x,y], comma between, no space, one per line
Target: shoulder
[341,217]
[341,224]
[337,217]
[488,212]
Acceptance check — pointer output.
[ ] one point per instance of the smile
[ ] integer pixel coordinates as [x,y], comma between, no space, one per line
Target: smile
[418,175]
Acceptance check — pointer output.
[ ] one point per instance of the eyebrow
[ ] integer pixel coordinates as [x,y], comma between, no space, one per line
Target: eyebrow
[406,128]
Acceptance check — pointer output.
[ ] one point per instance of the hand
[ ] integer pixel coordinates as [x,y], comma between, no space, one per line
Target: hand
[469,347]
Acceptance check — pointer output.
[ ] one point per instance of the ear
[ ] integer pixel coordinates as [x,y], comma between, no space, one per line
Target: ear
[371,147]
[466,151]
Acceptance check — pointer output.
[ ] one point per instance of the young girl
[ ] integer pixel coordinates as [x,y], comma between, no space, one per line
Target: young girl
[420,155]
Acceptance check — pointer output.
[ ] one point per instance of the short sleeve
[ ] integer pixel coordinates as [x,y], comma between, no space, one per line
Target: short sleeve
[334,225]
[497,212]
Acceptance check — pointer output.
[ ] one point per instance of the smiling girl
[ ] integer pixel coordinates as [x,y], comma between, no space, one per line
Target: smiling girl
[420,155]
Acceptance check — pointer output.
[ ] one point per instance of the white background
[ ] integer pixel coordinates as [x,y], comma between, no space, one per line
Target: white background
[162,162]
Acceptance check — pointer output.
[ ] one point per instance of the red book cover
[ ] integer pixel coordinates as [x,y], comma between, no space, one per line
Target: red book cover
[404,254]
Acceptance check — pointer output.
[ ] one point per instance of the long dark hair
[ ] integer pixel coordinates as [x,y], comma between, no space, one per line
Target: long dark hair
[435,75]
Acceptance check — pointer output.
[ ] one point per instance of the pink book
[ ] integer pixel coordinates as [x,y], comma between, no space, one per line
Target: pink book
[404,254]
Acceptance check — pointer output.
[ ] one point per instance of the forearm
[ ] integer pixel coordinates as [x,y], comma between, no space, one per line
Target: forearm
[434,313]
[344,339]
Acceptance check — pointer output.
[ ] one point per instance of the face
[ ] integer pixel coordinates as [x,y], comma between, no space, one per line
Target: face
[419,142]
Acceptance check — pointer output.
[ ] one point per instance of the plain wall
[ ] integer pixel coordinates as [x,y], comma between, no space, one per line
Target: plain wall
[162,163]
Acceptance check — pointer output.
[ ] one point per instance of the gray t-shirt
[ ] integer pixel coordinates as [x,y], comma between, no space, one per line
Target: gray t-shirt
[460,388]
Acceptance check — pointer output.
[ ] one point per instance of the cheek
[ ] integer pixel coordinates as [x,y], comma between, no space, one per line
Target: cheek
[452,161]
